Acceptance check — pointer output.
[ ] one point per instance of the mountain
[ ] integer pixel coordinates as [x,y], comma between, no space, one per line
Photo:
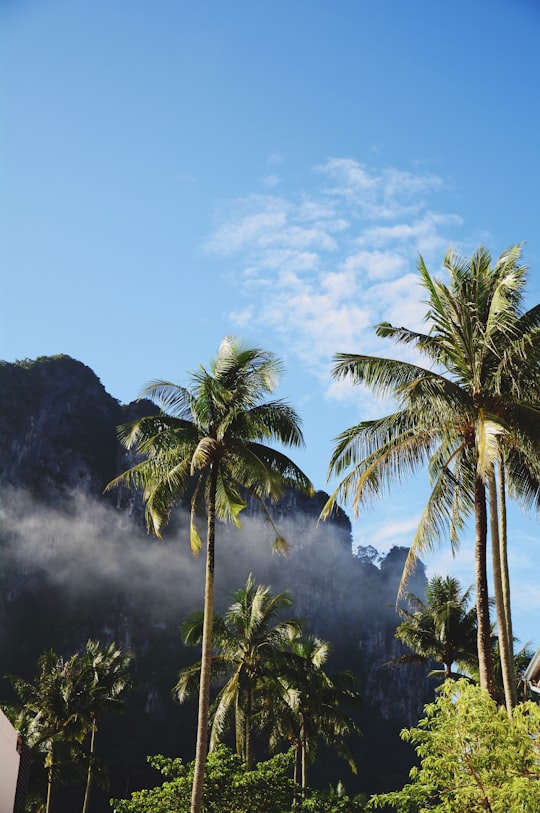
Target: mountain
[77,563]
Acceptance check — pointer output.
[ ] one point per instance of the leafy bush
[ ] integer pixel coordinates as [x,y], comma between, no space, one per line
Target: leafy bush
[230,786]
[472,757]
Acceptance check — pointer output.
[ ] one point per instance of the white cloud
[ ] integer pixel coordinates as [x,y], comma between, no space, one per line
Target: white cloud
[323,267]
[394,532]
[271,181]
[379,194]
[245,232]
[376,265]
[242,318]
[401,302]
[340,284]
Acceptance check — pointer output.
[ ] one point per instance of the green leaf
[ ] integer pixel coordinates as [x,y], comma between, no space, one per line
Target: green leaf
[195,539]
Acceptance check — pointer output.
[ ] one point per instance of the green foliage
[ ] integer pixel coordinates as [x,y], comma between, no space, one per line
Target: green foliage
[249,641]
[230,786]
[62,705]
[473,757]
[306,704]
[210,441]
[442,628]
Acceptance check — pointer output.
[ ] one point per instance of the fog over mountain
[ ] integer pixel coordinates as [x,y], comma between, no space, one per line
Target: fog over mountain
[78,563]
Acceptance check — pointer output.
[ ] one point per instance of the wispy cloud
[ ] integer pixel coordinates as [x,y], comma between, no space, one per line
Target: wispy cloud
[271,180]
[385,535]
[320,269]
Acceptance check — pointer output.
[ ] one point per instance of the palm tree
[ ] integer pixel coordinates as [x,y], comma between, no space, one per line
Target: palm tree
[106,670]
[211,440]
[306,704]
[249,642]
[456,418]
[53,710]
[518,390]
[441,628]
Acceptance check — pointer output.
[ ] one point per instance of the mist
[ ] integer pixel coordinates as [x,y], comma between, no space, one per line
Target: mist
[78,567]
[84,546]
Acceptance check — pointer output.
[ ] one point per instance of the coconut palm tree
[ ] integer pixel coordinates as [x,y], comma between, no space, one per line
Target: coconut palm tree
[106,672]
[441,628]
[518,391]
[53,710]
[249,641]
[453,416]
[210,440]
[306,704]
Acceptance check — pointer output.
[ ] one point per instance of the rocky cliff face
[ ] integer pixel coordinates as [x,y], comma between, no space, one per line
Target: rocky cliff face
[57,427]
[75,563]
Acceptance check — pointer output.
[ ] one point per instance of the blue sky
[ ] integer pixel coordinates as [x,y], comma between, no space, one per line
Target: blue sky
[172,172]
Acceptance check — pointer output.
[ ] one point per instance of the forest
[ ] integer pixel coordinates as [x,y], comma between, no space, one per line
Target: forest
[271,688]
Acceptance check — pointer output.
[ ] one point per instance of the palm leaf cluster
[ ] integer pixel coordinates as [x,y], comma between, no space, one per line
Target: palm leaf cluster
[472,410]
[441,628]
[248,641]
[306,704]
[273,680]
[62,706]
[212,436]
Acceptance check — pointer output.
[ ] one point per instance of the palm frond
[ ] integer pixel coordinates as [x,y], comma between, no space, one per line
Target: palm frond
[174,399]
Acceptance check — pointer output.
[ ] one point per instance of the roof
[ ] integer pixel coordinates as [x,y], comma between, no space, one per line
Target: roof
[532,671]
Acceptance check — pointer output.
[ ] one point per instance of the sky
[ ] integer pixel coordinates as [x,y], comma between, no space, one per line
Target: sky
[173,172]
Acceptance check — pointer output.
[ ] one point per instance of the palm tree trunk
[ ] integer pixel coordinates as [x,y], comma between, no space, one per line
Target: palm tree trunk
[50,781]
[49,791]
[505,573]
[485,660]
[247,732]
[90,773]
[239,728]
[206,657]
[295,771]
[304,759]
[505,652]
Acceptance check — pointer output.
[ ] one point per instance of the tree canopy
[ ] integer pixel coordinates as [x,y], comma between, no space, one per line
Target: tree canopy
[473,757]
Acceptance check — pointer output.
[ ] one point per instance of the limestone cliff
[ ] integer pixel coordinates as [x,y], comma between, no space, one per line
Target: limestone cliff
[76,563]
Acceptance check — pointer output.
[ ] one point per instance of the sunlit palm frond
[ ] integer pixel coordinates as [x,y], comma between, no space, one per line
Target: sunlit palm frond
[173,399]
[381,375]
[223,709]
[523,474]
[273,420]
[487,435]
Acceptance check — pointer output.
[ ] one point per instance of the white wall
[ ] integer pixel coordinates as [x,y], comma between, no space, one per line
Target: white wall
[9,764]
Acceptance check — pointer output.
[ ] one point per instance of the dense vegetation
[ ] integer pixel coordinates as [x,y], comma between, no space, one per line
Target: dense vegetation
[473,757]
[232,786]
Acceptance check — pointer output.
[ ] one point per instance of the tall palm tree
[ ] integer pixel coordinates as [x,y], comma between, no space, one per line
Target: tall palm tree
[307,704]
[211,440]
[454,416]
[518,391]
[441,628]
[106,672]
[249,641]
